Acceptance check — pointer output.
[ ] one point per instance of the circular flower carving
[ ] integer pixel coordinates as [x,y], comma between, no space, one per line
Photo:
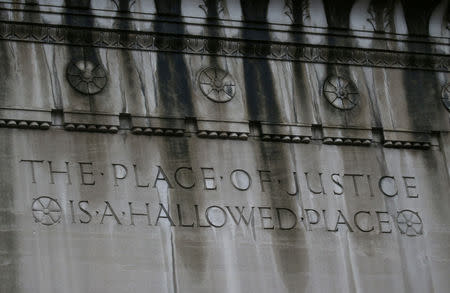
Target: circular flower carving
[217,84]
[409,223]
[446,96]
[46,210]
[340,92]
[85,76]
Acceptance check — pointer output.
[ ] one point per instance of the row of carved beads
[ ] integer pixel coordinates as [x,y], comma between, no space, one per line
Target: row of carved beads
[24,124]
[91,127]
[232,135]
[157,131]
[223,135]
[287,138]
[406,144]
[347,141]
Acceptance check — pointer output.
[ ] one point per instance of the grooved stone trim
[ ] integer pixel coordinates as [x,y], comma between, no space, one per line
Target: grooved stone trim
[51,34]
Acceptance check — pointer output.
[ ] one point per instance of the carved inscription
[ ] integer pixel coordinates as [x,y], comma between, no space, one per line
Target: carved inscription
[217,216]
[50,210]
[208,178]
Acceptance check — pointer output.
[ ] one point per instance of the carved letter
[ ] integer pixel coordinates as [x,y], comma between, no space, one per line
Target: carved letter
[112,214]
[180,218]
[241,216]
[308,218]
[83,172]
[262,180]
[132,214]
[296,185]
[337,184]
[120,172]
[177,179]
[369,182]
[355,218]
[52,181]
[209,181]
[383,221]
[161,176]
[326,221]
[211,222]
[408,186]
[355,184]
[321,185]
[136,176]
[85,211]
[344,222]
[289,212]
[263,217]
[72,211]
[198,218]
[388,190]
[33,173]
[237,180]
[167,216]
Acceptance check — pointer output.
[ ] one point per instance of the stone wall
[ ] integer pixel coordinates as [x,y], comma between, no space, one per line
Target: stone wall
[224,146]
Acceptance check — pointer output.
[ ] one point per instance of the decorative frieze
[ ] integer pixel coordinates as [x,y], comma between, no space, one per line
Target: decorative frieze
[51,34]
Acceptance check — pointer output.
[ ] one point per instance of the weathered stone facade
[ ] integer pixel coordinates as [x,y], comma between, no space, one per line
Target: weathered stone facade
[224,146]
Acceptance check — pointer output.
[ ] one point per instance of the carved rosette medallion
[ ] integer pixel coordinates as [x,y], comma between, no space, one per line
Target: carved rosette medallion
[86,77]
[340,92]
[409,223]
[217,84]
[446,96]
[46,210]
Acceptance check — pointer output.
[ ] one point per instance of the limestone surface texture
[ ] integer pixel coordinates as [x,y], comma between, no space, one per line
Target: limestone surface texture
[224,146]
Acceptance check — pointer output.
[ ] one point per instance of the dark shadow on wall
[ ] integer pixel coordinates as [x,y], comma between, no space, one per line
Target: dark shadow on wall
[135,83]
[174,89]
[262,106]
[10,256]
[76,53]
[422,88]
[259,83]
[338,13]
[300,77]
[338,16]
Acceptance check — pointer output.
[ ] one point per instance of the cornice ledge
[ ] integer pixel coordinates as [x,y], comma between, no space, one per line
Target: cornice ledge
[200,45]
